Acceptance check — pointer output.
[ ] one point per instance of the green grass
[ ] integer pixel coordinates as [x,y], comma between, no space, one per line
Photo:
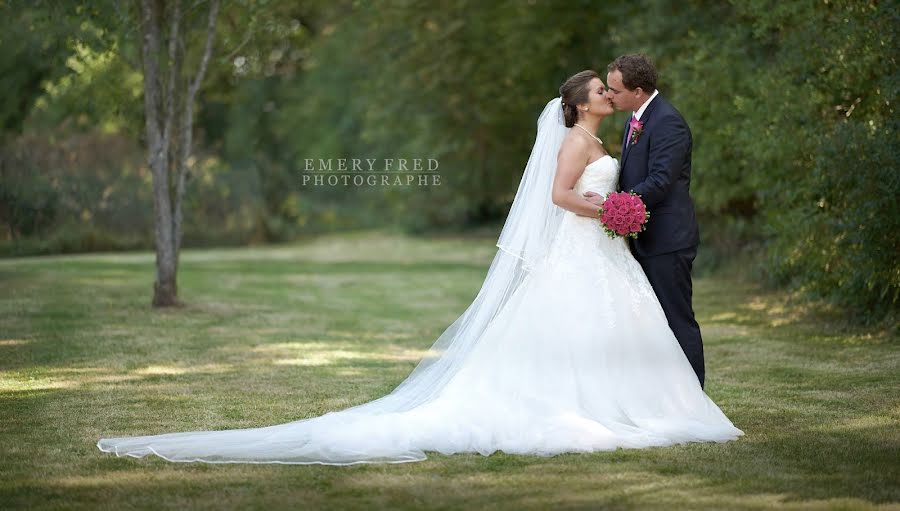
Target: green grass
[271,335]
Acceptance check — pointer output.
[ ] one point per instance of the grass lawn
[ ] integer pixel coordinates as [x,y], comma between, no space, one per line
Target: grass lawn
[271,335]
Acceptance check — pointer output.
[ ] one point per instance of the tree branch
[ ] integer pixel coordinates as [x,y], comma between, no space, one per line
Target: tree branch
[207,51]
[169,113]
[187,122]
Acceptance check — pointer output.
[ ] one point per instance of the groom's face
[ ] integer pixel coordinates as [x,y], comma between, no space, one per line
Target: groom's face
[621,98]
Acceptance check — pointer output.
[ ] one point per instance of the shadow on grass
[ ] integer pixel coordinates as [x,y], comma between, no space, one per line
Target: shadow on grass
[748,473]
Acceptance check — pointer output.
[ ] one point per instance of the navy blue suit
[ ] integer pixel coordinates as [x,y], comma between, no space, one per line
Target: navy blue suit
[658,168]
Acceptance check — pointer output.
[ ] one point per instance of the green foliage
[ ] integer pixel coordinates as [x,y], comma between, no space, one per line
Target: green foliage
[462,84]
[28,202]
[841,241]
[60,59]
[792,105]
[88,191]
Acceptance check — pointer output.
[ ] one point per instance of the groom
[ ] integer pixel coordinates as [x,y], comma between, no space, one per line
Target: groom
[656,164]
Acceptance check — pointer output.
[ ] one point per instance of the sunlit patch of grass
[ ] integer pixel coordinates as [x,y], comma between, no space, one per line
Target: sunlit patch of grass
[274,334]
[174,370]
[9,385]
[13,342]
[327,353]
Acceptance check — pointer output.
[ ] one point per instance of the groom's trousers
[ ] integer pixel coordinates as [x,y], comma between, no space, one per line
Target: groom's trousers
[670,276]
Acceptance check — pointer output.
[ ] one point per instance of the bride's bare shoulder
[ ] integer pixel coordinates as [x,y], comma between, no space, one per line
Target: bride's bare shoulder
[573,147]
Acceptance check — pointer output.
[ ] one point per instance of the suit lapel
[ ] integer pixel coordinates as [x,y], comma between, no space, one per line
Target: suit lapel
[646,119]
[625,141]
[653,104]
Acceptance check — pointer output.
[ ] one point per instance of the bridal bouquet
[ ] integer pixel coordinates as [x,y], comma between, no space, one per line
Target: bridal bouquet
[623,214]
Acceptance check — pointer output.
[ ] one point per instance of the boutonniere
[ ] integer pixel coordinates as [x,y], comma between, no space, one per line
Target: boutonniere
[637,127]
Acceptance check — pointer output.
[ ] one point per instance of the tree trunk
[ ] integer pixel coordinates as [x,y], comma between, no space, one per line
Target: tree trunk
[163,146]
[165,289]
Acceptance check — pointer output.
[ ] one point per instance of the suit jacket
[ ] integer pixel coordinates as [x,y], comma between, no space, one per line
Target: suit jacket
[658,168]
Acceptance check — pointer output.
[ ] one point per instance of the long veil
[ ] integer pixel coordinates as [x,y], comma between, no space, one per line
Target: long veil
[350,436]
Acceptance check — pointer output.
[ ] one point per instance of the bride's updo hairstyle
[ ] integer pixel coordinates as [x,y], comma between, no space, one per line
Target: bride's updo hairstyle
[574,92]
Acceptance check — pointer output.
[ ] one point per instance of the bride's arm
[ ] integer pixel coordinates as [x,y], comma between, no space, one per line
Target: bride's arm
[570,164]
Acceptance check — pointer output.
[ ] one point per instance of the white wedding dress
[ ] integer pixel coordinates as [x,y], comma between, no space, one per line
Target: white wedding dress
[578,357]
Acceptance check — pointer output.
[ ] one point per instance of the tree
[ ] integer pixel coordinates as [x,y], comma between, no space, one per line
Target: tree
[168,150]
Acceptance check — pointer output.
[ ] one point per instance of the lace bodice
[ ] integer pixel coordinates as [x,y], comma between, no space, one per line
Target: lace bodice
[599,176]
[581,236]
[581,248]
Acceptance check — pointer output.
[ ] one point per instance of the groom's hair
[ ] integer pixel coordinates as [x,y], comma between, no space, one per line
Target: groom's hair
[637,71]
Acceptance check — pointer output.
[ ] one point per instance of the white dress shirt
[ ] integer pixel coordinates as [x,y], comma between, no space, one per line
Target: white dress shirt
[640,111]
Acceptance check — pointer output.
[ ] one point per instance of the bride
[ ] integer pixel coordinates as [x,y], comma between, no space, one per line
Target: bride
[564,349]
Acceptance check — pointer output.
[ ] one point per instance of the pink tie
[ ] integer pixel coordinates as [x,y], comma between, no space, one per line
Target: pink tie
[628,138]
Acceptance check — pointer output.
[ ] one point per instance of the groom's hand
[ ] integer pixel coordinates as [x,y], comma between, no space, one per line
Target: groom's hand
[593,197]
